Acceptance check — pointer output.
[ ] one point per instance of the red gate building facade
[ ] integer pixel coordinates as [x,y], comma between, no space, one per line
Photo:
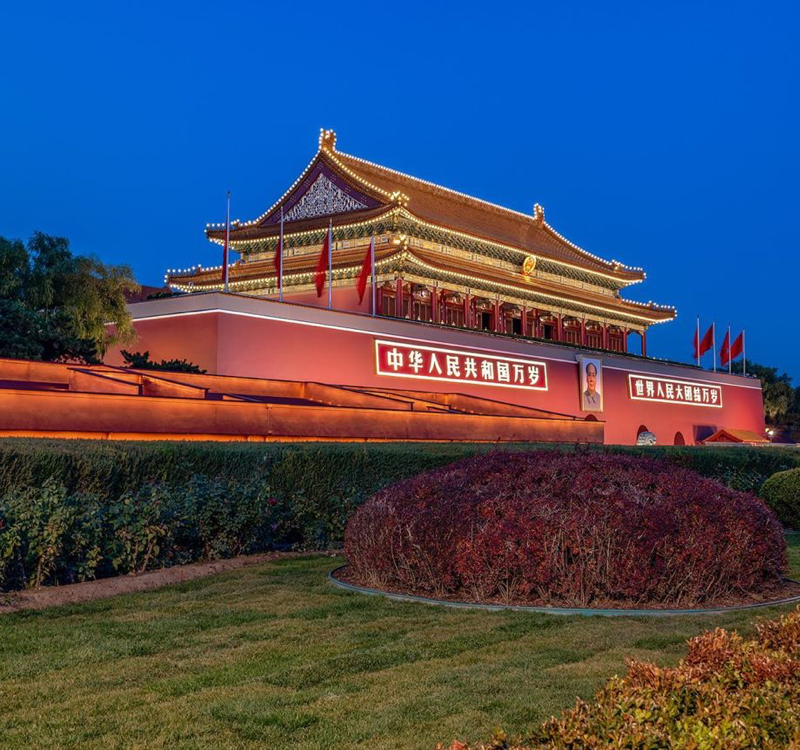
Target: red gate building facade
[244,336]
[466,297]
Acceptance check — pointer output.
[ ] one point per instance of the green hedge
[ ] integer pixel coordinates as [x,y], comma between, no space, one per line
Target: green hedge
[315,469]
[72,509]
[50,534]
[782,493]
[76,510]
[741,468]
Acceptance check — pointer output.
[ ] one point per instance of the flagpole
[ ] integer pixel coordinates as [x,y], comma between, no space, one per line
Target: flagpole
[373,274]
[730,346]
[330,264]
[714,343]
[744,353]
[697,342]
[227,243]
[280,261]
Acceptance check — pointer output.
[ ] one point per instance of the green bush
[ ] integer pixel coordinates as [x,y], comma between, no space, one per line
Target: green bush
[782,493]
[54,535]
[72,510]
[77,510]
[727,694]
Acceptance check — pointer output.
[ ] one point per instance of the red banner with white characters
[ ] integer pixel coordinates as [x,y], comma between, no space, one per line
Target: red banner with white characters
[400,359]
[668,391]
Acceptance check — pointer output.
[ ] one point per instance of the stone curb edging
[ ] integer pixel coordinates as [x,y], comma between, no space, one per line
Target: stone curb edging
[585,612]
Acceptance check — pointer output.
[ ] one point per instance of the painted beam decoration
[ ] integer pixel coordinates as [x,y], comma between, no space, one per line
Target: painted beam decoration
[669,391]
[404,360]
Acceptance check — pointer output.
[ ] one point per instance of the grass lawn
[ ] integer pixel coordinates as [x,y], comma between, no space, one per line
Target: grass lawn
[274,657]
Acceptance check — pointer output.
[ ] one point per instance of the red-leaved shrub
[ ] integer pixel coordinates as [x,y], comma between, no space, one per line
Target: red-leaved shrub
[729,693]
[571,529]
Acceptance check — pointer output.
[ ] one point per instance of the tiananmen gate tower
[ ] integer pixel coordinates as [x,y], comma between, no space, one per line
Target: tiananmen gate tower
[440,256]
[478,323]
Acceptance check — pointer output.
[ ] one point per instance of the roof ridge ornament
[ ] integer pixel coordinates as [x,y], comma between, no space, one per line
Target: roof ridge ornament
[327,140]
[538,213]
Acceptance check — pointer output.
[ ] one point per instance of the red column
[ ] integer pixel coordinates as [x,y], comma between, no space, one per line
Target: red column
[535,323]
[583,331]
[435,305]
[624,339]
[467,310]
[605,335]
[498,328]
[559,328]
[398,297]
[644,343]
[379,300]
[524,321]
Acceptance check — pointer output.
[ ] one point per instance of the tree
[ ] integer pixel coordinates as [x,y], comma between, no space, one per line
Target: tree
[781,401]
[14,267]
[142,361]
[767,375]
[55,306]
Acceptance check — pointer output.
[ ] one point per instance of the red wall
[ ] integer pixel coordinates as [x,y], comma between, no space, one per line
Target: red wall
[235,335]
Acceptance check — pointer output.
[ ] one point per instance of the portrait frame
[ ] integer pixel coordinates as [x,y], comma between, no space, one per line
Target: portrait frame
[590,399]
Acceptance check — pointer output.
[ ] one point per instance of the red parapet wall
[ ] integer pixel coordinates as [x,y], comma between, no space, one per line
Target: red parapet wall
[105,402]
[249,337]
[65,414]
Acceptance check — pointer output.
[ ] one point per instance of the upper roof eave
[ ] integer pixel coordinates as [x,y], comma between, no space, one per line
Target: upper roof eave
[363,174]
[351,258]
[359,166]
[324,154]
[621,274]
[655,313]
[252,233]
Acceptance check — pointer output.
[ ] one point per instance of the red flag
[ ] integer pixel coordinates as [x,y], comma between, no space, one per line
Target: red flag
[705,344]
[322,264]
[738,346]
[366,269]
[725,352]
[277,259]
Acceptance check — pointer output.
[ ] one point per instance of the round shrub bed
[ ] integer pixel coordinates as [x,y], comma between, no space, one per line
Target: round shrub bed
[576,530]
[782,493]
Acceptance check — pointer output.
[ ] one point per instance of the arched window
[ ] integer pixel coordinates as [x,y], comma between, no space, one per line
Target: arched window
[548,327]
[454,310]
[679,439]
[615,339]
[594,334]
[484,314]
[572,330]
[422,305]
[388,306]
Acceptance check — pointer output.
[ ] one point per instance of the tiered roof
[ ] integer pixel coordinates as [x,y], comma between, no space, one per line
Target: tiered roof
[349,192]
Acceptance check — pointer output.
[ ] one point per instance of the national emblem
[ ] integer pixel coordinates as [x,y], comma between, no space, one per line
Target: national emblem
[529,265]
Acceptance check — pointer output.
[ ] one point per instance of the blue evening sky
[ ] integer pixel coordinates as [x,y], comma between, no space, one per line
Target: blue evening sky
[660,134]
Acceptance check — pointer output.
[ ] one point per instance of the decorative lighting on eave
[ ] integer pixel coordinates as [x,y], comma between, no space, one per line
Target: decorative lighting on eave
[398,202]
[327,144]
